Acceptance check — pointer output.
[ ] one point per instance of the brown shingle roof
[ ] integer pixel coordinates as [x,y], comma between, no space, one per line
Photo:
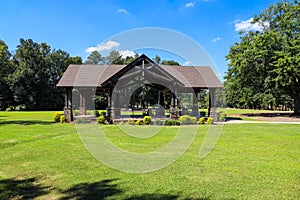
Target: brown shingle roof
[87,75]
[95,75]
[196,77]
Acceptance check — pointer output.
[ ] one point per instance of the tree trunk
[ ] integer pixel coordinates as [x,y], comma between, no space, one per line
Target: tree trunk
[297,104]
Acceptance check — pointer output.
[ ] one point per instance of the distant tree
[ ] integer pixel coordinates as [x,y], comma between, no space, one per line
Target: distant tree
[264,65]
[75,60]
[114,58]
[6,95]
[94,58]
[157,59]
[170,62]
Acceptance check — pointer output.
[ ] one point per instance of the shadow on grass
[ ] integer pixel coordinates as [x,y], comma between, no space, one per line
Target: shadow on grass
[21,189]
[26,122]
[153,196]
[97,190]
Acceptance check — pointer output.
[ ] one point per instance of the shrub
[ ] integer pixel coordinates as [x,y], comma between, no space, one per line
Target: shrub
[222,117]
[202,120]
[187,119]
[172,122]
[62,119]
[103,113]
[96,113]
[130,122]
[10,108]
[139,122]
[75,112]
[210,120]
[101,120]
[147,120]
[57,115]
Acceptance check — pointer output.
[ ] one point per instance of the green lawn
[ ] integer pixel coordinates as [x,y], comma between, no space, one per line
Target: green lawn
[44,160]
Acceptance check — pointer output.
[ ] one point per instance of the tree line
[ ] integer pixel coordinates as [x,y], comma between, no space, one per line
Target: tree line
[264,66]
[29,76]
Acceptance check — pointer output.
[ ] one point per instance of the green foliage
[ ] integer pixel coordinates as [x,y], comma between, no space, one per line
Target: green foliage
[103,113]
[264,65]
[62,119]
[139,122]
[130,122]
[57,115]
[186,119]
[76,112]
[210,120]
[201,120]
[170,62]
[94,58]
[96,113]
[147,120]
[222,116]
[101,120]
[172,122]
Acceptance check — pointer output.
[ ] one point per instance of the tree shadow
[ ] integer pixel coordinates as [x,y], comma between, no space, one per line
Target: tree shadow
[21,189]
[97,190]
[153,197]
[26,122]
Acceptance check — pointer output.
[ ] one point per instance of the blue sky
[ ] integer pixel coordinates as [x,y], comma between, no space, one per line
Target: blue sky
[75,26]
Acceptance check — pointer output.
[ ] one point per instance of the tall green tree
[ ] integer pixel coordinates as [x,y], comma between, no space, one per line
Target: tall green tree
[264,65]
[115,58]
[6,95]
[37,70]
[94,58]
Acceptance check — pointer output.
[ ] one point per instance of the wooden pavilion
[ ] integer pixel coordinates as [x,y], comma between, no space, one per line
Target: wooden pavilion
[113,79]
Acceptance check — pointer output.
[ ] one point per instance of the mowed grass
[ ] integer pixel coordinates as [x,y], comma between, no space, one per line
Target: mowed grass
[43,160]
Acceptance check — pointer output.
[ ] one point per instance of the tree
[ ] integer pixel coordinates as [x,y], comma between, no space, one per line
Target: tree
[37,70]
[265,64]
[114,58]
[94,58]
[157,59]
[170,62]
[6,95]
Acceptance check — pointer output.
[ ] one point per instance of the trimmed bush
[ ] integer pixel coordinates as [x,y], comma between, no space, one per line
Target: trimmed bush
[147,120]
[185,119]
[103,113]
[222,117]
[202,120]
[57,115]
[96,113]
[62,119]
[210,120]
[139,122]
[172,122]
[130,122]
[76,112]
[101,120]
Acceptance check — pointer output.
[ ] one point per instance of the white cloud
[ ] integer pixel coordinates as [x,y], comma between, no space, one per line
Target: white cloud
[125,53]
[216,39]
[124,11]
[248,26]
[187,63]
[105,46]
[190,4]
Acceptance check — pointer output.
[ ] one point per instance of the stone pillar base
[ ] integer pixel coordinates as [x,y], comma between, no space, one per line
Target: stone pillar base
[82,110]
[68,114]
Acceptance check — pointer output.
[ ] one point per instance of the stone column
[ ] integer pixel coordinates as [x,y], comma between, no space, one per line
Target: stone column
[212,108]
[68,105]
[82,108]
[195,108]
